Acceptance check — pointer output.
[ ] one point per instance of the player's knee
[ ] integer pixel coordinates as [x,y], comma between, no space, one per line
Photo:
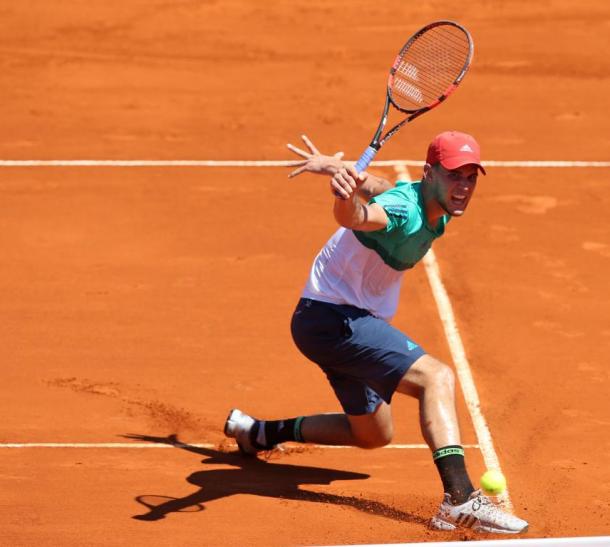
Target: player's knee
[440,375]
[377,439]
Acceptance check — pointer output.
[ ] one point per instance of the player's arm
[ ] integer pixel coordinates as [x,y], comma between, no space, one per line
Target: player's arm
[373,185]
[348,209]
[320,164]
[314,161]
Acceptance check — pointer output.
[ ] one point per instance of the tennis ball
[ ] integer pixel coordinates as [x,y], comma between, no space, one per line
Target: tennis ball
[493,482]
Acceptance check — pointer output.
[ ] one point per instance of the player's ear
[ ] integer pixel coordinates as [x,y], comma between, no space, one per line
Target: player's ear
[427,170]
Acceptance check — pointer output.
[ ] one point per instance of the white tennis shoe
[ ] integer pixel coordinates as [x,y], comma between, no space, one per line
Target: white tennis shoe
[477,513]
[239,427]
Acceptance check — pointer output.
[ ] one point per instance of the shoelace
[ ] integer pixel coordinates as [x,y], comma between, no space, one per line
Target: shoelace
[489,509]
[479,501]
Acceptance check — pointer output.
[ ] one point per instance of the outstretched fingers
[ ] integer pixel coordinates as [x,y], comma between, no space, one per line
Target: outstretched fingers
[298,171]
[313,151]
[309,144]
[313,161]
[298,151]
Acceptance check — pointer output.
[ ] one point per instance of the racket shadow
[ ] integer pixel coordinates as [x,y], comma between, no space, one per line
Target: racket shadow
[257,477]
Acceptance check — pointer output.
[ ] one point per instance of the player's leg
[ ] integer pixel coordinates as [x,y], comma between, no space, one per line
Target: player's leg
[366,422]
[366,361]
[334,337]
[433,384]
[371,430]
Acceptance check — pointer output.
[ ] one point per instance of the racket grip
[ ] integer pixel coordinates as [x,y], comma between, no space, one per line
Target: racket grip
[365,159]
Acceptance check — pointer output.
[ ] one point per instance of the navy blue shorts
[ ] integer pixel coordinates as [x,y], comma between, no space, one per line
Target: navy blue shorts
[364,357]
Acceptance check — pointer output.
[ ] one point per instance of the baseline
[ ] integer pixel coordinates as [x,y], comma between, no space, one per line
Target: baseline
[540,542]
[276,163]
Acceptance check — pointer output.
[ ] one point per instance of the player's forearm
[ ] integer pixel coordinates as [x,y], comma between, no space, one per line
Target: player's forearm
[350,213]
[373,186]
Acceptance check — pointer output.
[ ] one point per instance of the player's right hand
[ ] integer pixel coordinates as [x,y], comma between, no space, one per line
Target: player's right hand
[346,181]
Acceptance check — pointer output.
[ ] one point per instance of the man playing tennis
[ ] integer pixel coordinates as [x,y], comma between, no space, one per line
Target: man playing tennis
[342,322]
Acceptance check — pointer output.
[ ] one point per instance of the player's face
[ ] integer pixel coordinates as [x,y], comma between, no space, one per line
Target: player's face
[454,188]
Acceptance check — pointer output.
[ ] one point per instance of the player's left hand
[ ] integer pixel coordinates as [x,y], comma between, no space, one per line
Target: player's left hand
[314,161]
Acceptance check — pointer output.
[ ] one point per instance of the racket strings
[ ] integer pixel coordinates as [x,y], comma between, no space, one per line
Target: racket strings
[429,66]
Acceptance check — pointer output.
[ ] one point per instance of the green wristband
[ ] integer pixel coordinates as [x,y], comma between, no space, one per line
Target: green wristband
[298,437]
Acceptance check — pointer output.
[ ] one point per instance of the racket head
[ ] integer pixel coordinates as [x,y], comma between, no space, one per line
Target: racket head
[430,66]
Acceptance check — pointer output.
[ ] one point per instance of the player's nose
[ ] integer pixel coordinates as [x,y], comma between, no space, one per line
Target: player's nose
[465,186]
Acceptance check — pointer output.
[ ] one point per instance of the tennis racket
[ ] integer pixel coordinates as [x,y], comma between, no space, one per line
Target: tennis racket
[427,70]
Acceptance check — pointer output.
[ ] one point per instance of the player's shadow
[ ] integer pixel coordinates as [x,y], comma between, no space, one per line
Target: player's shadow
[249,475]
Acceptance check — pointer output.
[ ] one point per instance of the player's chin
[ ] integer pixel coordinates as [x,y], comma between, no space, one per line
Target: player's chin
[455,211]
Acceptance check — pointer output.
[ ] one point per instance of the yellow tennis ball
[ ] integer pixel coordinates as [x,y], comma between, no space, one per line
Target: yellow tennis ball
[493,482]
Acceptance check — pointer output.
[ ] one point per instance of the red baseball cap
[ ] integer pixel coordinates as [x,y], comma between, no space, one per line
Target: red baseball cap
[453,149]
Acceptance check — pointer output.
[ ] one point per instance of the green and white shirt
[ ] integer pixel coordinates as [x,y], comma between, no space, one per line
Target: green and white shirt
[364,269]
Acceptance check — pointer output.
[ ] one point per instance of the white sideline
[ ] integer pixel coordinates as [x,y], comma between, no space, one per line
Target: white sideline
[598,541]
[274,163]
[460,361]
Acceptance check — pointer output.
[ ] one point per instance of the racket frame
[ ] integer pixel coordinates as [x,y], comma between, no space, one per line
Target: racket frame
[378,141]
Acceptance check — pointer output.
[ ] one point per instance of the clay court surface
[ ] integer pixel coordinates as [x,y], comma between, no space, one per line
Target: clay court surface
[140,304]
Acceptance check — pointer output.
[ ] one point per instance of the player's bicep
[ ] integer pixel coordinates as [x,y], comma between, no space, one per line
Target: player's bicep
[375,218]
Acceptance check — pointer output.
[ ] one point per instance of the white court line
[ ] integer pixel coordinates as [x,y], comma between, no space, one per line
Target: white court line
[186,445]
[600,541]
[273,163]
[460,360]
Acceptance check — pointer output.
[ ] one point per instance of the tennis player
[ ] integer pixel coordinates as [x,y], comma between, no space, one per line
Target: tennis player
[342,322]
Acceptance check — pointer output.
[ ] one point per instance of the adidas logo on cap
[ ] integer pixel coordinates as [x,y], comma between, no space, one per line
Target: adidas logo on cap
[466,148]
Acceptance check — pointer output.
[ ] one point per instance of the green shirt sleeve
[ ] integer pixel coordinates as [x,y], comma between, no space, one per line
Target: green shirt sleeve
[401,212]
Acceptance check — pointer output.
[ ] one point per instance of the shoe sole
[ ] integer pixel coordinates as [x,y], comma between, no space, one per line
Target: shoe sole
[490,530]
[437,523]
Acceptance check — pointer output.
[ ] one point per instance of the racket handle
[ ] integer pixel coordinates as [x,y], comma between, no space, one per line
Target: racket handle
[365,159]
